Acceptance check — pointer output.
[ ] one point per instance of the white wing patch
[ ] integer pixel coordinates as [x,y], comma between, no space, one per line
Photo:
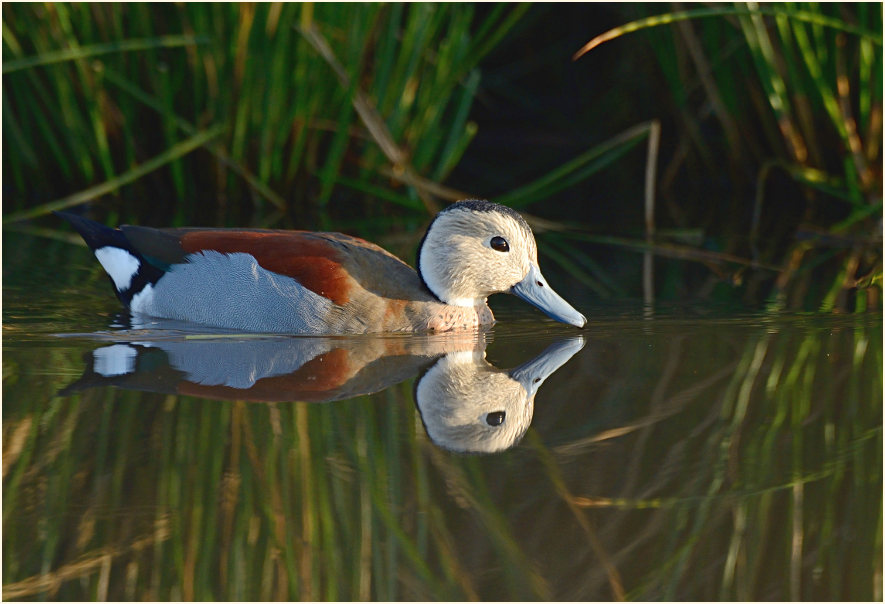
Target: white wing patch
[119,264]
[143,300]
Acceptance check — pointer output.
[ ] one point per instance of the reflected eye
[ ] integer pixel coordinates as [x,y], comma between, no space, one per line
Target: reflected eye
[499,244]
[496,418]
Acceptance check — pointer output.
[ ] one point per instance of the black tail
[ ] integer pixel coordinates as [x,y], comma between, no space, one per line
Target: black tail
[129,277]
[95,234]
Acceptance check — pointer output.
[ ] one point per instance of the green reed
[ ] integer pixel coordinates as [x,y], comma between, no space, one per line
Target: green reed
[285,115]
[96,104]
[788,92]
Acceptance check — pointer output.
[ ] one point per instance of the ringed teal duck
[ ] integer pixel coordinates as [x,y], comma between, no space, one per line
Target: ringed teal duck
[465,403]
[327,283]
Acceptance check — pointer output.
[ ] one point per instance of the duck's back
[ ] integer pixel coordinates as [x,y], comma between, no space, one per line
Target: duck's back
[278,281]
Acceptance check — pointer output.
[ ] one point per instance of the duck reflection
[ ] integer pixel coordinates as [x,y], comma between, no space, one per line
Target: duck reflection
[466,404]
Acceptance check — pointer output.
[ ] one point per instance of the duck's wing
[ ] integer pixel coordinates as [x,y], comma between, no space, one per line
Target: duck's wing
[328,264]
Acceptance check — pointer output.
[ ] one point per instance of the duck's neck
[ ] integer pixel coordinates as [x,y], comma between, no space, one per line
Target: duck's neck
[447,317]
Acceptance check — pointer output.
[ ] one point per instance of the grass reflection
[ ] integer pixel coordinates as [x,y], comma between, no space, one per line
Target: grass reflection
[750,473]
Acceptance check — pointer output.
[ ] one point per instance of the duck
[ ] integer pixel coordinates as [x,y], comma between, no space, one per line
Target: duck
[326,283]
[468,405]
[465,403]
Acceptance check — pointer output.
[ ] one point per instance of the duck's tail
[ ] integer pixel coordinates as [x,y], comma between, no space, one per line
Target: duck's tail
[127,269]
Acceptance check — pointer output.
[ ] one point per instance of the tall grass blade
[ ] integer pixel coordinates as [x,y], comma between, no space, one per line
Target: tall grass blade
[575,170]
[668,18]
[171,154]
[96,50]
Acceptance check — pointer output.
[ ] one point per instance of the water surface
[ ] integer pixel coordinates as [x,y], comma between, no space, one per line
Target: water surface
[676,453]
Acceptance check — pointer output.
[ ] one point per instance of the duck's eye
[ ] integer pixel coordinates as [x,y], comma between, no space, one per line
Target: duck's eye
[499,244]
[495,418]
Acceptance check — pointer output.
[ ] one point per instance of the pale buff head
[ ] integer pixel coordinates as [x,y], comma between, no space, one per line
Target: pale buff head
[474,249]
[467,405]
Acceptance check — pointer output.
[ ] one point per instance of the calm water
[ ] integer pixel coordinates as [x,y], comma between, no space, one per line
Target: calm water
[683,454]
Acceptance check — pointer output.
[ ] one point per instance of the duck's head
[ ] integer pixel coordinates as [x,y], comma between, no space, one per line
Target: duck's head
[473,249]
[468,405]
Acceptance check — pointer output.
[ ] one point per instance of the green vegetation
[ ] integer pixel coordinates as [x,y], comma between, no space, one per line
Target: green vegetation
[354,117]
[743,141]
[94,93]
[791,94]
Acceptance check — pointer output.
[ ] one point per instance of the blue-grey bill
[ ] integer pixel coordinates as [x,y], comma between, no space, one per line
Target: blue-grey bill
[533,373]
[534,290]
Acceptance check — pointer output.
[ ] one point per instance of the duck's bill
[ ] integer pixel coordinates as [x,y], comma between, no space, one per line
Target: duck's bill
[533,373]
[534,290]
